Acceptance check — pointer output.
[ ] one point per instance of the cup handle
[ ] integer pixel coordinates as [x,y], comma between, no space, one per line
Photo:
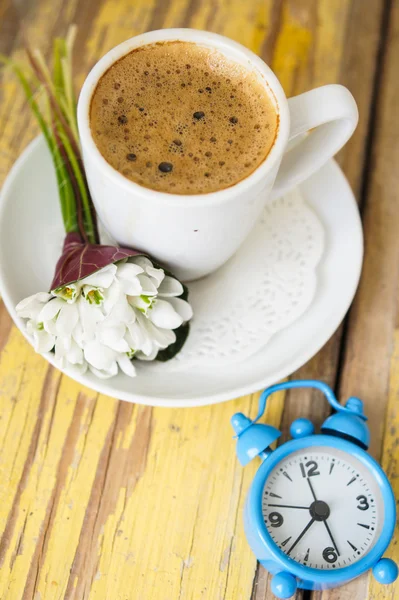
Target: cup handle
[331,113]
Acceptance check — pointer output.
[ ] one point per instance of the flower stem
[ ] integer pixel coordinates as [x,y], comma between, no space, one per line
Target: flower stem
[58,122]
[82,197]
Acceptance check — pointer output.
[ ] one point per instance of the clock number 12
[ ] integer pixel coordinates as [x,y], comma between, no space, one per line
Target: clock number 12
[312,467]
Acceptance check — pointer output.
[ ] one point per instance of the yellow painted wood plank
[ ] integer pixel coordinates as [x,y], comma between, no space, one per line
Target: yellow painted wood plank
[291,54]
[116,22]
[179,533]
[94,426]
[22,375]
[38,495]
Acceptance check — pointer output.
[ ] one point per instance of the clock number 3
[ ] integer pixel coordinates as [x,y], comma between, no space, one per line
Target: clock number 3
[312,467]
[329,555]
[363,504]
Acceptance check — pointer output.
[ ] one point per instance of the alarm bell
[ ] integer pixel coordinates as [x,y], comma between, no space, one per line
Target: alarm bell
[253,438]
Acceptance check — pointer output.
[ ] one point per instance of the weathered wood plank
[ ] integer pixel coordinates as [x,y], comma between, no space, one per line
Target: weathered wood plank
[112,501]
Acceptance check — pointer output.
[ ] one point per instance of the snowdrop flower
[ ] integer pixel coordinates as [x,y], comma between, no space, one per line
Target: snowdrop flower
[125,310]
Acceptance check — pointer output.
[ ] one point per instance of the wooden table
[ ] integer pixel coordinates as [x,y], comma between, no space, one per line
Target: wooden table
[107,500]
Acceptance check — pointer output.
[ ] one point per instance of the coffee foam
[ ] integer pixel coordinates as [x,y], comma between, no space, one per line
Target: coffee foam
[180,118]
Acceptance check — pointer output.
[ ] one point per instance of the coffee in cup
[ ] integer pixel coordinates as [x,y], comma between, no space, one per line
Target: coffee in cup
[181,118]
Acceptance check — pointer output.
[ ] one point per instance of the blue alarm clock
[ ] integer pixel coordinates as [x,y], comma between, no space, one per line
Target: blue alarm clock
[320,510]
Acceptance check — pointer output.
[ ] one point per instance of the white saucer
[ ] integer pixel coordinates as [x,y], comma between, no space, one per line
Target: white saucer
[30,223]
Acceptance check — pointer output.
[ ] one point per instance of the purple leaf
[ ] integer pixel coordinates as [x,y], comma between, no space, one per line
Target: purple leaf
[79,259]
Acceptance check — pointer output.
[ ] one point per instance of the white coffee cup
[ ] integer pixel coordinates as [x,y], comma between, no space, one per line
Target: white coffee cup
[195,234]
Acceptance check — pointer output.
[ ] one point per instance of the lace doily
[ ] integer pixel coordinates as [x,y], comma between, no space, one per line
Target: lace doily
[265,286]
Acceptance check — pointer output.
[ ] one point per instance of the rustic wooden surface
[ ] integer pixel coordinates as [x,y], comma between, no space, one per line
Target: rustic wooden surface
[101,499]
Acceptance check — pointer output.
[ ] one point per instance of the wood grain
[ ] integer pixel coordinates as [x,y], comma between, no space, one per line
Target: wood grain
[102,499]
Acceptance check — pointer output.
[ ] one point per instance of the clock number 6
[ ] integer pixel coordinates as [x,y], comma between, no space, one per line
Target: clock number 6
[363,504]
[276,520]
[312,467]
[330,555]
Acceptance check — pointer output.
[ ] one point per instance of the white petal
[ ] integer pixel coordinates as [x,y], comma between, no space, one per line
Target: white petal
[112,337]
[102,278]
[67,319]
[148,357]
[130,341]
[44,342]
[62,345]
[112,295]
[30,307]
[141,261]
[60,362]
[99,356]
[105,373]
[79,368]
[158,338]
[122,312]
[50,326]
[162,314]
[40,297]
[31,327]
[182,308]
[148,288]
[121,346]
[157,274]
[170,287]
[90,316]
[74,354]
[162,338]
[140,337]
[143,303]
[126,365]
[50,310]
[131,287]
[128,270]
[78,335]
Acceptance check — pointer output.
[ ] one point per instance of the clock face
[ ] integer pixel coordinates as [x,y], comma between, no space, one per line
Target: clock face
[323,508]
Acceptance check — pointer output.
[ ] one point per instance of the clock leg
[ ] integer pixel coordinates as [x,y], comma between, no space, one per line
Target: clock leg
[283,585]
[385,571]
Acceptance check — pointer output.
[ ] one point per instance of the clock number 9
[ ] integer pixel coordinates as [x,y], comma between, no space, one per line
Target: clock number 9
[312,467]
[276,520]
[363,504]
[329,555]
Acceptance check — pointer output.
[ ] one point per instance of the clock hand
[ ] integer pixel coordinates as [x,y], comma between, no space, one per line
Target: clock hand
[289,506]
[300,536]
[325,521]
[331,537]
[311,488]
